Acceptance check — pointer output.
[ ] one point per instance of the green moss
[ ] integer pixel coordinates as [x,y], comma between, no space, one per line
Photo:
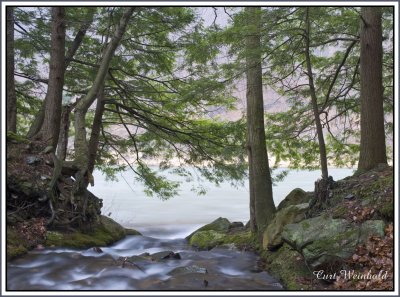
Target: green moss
[288,266]
[206,239]
[16,244]
[242,240]
[105,233]
[305,225]
[387,210]
[219,225]
[339,212]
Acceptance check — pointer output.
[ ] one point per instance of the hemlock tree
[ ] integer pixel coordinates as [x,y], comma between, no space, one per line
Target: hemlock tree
[262,207]
[49,129]
[314,100]
[372,145]
[11,97]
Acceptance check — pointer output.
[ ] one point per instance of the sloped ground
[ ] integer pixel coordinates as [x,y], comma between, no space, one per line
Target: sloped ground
[357,198]
[29,215]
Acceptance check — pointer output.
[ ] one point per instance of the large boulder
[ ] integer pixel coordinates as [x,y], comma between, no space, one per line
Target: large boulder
[324,241]
[288,215]
[221,225]
[296,196]
[206,240]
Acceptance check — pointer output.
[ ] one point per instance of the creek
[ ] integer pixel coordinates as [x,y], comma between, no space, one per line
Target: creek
[115,269]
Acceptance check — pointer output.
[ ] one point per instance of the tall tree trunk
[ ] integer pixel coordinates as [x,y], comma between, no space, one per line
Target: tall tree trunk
[81,146]
[62,145]
[36,126]
[95,134]
[372,146]
[261,184]
[11,97]
[314,100]
[50,129]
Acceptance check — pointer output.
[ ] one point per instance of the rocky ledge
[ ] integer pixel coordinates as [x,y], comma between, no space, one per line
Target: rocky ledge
[354,232]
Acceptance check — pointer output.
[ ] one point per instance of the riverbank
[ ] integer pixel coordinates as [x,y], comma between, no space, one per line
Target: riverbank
[345,245]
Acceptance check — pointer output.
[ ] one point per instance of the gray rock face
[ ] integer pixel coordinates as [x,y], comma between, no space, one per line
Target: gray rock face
[323,241]
[296,196]
[288,215]
[220,225]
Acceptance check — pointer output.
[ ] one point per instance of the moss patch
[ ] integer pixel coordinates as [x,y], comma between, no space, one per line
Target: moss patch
[16,244]
[206,239]
[288,266]
[105,233]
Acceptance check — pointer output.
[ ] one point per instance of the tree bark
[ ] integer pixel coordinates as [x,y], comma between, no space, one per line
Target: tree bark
[62,145]
[95,134]
[372,145]
[11,97]
[81,160]
[260,184]
[50,128]
[36,126]
[314,100]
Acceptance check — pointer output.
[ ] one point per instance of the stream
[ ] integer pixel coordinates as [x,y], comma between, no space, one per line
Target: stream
[139,263]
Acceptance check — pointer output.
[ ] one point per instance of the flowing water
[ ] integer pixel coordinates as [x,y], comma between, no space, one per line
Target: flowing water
[67,269]
[126,266]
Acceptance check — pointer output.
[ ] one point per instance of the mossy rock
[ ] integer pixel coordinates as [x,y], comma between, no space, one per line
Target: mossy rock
[105,233]
[296,196]
[243,240]
[288,215]
[324,241]
[16,244]
[206,240]
[220,225]
[288,266]
[129,231]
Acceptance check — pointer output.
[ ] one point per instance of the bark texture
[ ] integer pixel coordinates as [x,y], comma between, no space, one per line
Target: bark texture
[50,128]
[11,97]
[372,146]
[260,184]
[83,176]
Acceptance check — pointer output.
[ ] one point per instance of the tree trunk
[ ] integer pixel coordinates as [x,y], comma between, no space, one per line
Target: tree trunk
[81,146]
[50,128]
[314,101]
[95,134]
[260,184]
[63,137]
[36,126]
[372,146]
[11,97]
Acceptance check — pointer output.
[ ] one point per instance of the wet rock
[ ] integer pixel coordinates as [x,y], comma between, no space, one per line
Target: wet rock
[188,269]
[324,241]
[32,160]
[206,239]
[288,215]
[97,250]
[296,196]
[166,255]
[219,225]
